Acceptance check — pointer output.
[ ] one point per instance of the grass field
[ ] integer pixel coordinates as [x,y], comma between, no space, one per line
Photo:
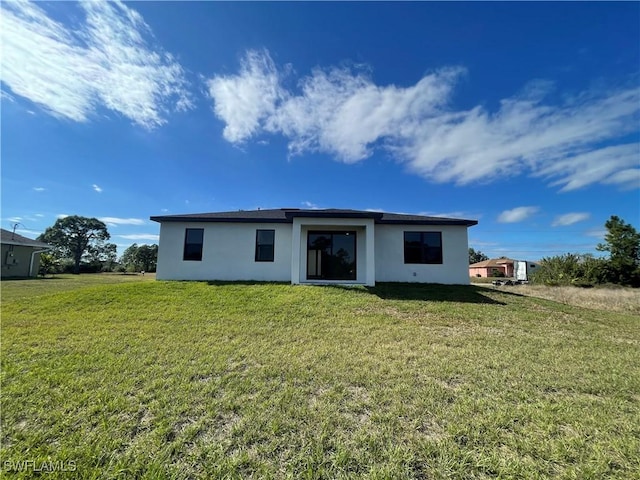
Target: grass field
[124,377]
[616,299]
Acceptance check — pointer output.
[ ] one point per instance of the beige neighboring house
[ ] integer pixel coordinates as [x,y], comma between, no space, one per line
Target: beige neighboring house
[489,268]
[20,255]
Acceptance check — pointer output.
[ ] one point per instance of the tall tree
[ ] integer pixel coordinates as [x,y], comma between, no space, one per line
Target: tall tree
[147,257]
[622,241]
[140,257]
[128,258]
[475,257]
[74,236]
[102,255]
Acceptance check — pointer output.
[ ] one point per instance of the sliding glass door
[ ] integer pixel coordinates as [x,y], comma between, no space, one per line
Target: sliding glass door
[331,255]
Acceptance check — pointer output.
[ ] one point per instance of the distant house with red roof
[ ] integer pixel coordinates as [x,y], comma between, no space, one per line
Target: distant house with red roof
[495,267]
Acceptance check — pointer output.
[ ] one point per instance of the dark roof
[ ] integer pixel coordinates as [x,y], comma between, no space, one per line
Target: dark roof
[286,215]
[11,238]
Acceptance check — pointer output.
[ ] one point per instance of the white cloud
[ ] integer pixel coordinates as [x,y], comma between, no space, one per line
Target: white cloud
[39,189]
[113,221]
[311,205]
[455,214]
[608,165]
[597,233]
[141,236]
[62,215]
[627,179]
[570,219]
[96,188]
[243,101]
[342,112]
[102,58]
[6,96]
[517,214]
[28,232]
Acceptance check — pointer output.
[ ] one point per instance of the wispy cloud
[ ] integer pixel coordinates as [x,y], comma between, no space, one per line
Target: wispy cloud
[5,96]
[454,214]
[311,205]
[597,233]
[342,112]
[39,189]
[517,214]
[97,188]
[141,236]
[245,100]
[103,57]
[113,221]
[570,219]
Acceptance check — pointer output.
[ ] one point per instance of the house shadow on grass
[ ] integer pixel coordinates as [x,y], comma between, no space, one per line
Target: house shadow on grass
[433,292]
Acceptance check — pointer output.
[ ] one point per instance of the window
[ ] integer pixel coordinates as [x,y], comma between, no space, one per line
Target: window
[265,241]
[423,247]
[193,244]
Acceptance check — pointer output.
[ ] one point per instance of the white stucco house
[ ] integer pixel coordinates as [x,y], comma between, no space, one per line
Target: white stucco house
[313,246]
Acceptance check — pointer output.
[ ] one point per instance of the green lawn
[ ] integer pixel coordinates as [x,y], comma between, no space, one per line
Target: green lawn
[132,378]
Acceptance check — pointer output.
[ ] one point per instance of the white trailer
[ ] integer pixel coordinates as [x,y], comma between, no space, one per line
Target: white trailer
[523,269]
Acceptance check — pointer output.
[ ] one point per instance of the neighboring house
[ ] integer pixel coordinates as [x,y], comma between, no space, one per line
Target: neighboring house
[492,268]
[20,255]
[313,246]
[519,269]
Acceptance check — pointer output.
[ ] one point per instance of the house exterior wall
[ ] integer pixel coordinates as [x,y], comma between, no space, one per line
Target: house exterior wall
[479,271]
[22,259]
[389,253]
[507,270]
[228,252]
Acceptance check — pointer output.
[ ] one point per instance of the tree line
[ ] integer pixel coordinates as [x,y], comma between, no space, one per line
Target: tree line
[80,245]
[619,266]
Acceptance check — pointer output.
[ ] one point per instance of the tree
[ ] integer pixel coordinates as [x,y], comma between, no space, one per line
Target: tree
[140,257]
[48,264]
[75,236]
[569,269]
[622,241]
[475,257]
[147,257]
[102,255]
[128,258]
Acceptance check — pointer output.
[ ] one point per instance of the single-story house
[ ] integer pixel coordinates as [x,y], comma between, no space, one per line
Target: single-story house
[503,266]
[492,268]
[20,255]
[313,246]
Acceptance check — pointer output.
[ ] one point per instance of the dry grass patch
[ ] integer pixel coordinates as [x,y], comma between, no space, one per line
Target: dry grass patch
[601,298]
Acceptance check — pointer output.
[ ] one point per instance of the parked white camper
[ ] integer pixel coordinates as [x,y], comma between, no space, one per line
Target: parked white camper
[522,270]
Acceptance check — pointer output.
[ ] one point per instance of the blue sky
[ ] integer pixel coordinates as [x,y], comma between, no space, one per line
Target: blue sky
[524,116]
